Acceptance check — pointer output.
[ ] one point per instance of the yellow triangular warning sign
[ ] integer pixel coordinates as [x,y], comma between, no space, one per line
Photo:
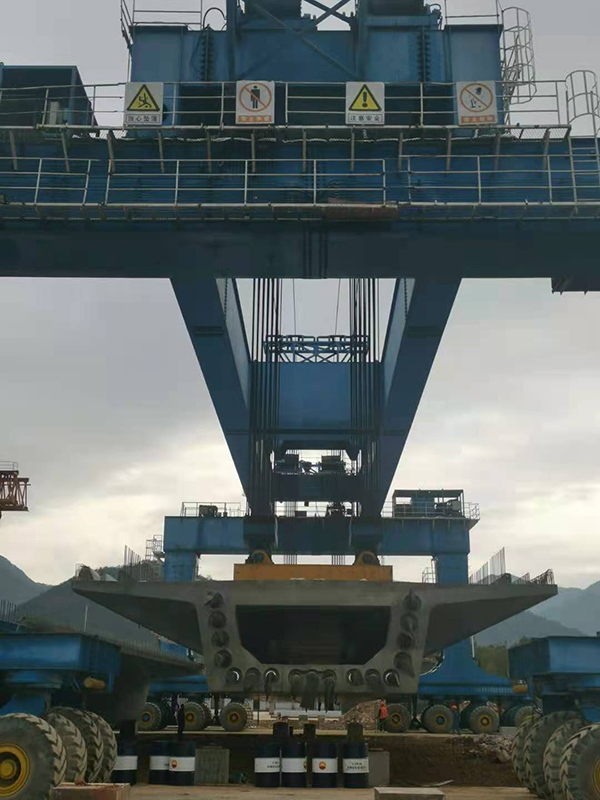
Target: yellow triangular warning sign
[365,100]
[143,101]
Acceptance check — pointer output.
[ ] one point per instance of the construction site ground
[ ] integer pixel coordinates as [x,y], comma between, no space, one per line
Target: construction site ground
[231,792]
[415,758]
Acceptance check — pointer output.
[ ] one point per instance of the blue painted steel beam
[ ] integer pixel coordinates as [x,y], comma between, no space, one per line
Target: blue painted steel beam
[447,538]
[418,317]
[430,250]
[213,316]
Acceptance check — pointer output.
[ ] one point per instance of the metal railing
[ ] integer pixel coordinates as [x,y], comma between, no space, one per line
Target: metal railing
[159,13]
[100,107]
[9,466]
[330,349]
[211,510]
[429,510]
[550,185]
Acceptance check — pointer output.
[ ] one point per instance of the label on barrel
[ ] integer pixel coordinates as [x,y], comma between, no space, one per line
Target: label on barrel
[183,764]
[293,765]
[354,765]
[272,764]
[126,763]
[159,763]
[324,766]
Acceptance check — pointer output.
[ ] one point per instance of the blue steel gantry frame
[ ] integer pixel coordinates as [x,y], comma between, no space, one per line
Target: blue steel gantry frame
[423,199]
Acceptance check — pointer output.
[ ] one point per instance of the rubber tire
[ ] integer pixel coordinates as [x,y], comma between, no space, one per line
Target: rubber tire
[91,737]
[535,744]
[531,713]
[234,717]
[553,756]
[44,748]
[195,717]
[109,744]
[74,746]
[433,714]
[464,715]
[580,765]
[484,719]
[150,718]
[167,717]
[517,752]
[208,714]
[398,720]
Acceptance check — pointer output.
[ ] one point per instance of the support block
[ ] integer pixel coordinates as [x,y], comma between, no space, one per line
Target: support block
[97,791]
[408,793]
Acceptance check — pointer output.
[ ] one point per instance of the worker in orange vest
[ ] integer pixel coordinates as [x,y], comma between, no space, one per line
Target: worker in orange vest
[383,715]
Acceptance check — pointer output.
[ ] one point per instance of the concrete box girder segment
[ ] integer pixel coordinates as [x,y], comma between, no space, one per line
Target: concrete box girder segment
[315,639]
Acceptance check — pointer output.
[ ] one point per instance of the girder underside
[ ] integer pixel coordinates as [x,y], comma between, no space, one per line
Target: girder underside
[298,638]
[488,249]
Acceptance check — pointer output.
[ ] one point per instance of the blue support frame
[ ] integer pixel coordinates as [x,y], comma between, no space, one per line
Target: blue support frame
[212,313]
[418,317]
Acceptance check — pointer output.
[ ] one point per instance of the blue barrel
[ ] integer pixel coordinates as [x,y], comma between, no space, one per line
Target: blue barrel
[159,763]
[356,765]
[182,763]
[125,770]
[293,764]
[324,765]
[267,766]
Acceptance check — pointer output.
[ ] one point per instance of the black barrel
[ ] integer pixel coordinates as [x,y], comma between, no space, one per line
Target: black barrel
[125,770]
[356,765]
[182,763]
[293,764]
[267,766]
[324,765]
[159,763]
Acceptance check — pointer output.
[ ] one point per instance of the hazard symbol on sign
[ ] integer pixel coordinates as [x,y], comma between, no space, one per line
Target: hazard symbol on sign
[255,103]
[365,103]
[477,104]
[144,103]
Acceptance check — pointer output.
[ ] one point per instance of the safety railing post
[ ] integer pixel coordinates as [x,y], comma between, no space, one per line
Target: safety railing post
[246,182]
[384,181]
[38,181]
[479,197]
[315,181]
[175,112]
[222,103]
[422,105]
[44,115]
[87,181]
[177,182]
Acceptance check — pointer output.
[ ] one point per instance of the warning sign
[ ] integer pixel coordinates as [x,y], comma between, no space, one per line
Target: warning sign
[255,103]
[365,103]
[477,104]
[144,103]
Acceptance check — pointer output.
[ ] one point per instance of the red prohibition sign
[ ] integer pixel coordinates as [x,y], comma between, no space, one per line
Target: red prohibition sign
[258,100]
[480,95]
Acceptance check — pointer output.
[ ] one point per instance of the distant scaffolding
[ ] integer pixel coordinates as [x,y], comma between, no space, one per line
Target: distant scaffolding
[491,571]
[13,488]
[136,568]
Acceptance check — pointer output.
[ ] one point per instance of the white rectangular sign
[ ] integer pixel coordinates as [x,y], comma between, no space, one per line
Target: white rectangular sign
[476,102]
[255,103]
[365,103]
[144,103]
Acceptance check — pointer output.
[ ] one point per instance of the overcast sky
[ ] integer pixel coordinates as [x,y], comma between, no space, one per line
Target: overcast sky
[103,404]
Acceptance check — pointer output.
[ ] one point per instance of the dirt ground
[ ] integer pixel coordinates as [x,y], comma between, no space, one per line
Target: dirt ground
[233,792]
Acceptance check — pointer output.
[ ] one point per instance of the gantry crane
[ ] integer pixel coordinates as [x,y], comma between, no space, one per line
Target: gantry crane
[404,145]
